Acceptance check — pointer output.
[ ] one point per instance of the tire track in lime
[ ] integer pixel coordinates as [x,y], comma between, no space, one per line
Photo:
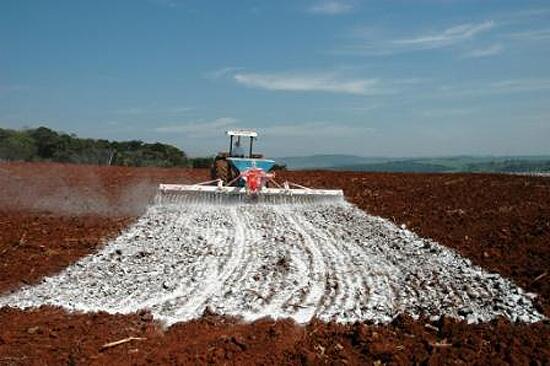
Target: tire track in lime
[212,286]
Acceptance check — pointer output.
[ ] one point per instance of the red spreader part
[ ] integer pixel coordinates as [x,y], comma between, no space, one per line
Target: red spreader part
[255,179]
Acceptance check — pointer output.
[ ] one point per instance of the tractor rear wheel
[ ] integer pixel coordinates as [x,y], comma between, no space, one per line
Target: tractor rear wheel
[222,170]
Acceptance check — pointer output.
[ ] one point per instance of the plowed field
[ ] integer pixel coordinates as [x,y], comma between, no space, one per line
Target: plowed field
[342,284]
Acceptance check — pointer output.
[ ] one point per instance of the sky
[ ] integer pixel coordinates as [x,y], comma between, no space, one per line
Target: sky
[397,78]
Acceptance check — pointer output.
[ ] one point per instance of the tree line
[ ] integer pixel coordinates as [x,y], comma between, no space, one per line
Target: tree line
[44,144]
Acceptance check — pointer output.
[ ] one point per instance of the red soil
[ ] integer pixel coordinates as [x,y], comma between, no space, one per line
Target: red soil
[52,214]
[53,337]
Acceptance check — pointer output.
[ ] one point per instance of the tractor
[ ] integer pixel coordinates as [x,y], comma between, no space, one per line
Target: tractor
[227,166]
[244,177]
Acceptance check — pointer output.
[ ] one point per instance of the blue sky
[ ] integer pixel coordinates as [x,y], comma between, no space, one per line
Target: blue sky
[372,78]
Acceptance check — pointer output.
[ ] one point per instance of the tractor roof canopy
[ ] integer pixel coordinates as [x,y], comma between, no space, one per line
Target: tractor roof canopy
[246,133]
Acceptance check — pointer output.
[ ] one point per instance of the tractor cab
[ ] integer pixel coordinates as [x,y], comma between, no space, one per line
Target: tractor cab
[236,143]
[240,158]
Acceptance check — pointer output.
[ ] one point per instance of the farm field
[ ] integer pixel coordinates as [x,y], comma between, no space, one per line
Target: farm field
[347,283]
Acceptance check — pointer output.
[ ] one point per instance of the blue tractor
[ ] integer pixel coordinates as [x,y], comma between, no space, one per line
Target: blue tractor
[241,176]
[228,166]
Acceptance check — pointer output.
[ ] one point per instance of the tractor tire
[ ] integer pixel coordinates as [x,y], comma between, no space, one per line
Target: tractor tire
[222,170]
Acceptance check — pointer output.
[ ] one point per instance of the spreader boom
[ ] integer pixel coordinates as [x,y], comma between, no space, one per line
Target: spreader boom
[204,194]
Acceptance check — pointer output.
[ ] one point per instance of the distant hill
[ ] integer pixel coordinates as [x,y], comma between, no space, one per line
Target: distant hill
[404,166]
[326,161]
[454,164]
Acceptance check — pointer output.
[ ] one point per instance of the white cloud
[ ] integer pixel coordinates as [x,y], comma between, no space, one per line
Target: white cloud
[327,82]
[329,130]
[447,37]
[374,42]
[199,128]
[532,35]
[331,7]
[222,72]
[491,50]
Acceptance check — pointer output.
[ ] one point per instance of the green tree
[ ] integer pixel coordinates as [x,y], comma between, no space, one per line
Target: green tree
[17,146]
[47,142]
